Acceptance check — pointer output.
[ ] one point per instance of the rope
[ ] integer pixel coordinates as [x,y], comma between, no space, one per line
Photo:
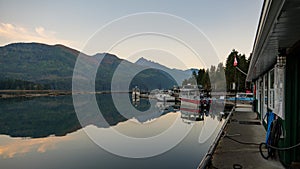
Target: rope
[241,142]
[241,71]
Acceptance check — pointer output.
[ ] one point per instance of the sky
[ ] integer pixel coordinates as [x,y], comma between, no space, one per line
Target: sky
[178,34]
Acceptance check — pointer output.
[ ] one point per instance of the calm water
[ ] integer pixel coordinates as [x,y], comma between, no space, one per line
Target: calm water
[44,132]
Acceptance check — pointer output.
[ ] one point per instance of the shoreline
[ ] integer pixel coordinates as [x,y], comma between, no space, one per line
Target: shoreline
[5,94]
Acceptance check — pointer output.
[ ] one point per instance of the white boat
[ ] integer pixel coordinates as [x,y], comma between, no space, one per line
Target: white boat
[136,93]
[190,96]
[164,97]
[192,99]
[153,93]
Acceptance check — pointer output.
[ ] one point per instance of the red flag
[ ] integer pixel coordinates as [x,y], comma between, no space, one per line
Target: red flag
[235,63]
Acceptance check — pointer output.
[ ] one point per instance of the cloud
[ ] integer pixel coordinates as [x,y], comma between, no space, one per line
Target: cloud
[22,146]
[10,33]
[41,31]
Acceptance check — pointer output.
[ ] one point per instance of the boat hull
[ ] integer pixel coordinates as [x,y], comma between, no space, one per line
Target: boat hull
[190,103]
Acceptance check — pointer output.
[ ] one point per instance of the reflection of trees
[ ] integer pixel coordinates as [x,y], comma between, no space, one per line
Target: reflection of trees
[37,117]
[45,116]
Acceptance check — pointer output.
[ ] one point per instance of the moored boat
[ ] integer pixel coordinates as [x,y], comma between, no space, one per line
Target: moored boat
[136,93]
[165,97]
[192,96]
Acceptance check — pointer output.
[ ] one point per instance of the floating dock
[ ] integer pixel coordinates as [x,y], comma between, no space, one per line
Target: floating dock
[244,126]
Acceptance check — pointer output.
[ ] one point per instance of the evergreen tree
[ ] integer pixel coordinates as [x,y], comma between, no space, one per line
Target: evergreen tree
[234,75]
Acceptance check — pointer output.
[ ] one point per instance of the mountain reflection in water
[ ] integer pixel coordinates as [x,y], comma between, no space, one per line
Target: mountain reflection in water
[44,116]
[44,132]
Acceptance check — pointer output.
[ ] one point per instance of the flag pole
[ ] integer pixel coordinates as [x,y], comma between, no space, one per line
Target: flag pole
[235,88]
[235,65]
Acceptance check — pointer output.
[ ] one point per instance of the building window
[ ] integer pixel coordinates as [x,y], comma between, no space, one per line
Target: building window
[271,90]
[266,89]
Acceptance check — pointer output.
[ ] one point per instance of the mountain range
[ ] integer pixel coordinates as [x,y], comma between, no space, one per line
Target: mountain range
[178,75]
[42,66]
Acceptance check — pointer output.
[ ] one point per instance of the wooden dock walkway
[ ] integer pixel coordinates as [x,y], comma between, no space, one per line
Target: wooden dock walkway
[243,126]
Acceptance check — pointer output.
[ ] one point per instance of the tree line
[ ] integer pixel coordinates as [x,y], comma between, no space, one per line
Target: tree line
[216,78]
[17,84]
[220,77]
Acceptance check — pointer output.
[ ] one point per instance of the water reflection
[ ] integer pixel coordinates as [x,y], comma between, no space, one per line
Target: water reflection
[37,117]
[9,148]
[44,132]
[45,116]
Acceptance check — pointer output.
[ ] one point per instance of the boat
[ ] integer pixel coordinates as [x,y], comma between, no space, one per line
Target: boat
[164,97]
[192,96]
[136,93]
[193,104]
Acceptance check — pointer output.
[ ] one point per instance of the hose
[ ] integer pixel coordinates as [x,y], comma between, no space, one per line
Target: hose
[241,142]
[272,143]
[266,145]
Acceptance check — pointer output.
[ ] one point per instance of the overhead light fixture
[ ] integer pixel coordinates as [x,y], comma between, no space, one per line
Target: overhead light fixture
[281,58]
